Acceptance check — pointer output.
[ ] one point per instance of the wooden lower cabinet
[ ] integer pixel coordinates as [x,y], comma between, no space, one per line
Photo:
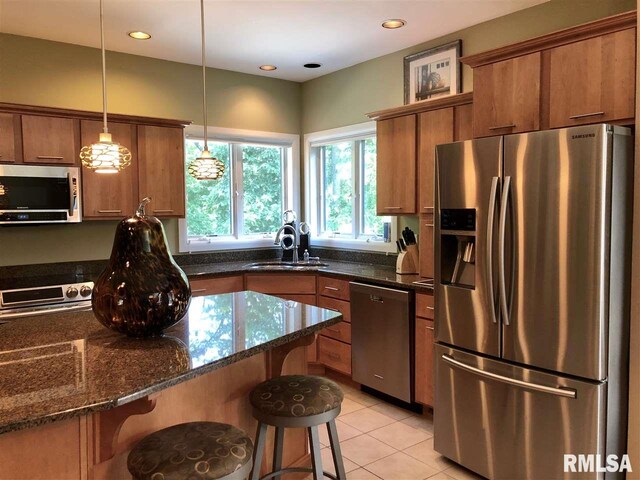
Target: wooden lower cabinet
[338,305]
[334,287]
[216,285]
[274,283]
[424,371]
[334,354]
[340,331]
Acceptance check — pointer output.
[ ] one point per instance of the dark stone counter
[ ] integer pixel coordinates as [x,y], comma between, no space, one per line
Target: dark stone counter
[369,273]
[59,366]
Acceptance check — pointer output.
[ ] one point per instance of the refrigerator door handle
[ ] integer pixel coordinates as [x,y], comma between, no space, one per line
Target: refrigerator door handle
[490,221]
[502,284]
[558,391]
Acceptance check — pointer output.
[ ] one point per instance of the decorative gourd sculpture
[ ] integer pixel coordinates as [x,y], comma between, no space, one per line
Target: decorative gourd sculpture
[142,291]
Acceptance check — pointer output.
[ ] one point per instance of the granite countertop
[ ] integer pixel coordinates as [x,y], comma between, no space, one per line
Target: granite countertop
[379,274]
[59,366]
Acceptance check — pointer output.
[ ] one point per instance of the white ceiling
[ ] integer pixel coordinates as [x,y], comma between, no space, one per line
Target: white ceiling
[243,34]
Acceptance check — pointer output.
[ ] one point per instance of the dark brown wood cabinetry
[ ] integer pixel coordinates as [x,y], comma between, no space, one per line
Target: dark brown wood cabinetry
[507,96]
[161,169]
[110,195]
[54,136]
[593,80]
[50,140]
[396,165]
[10,138]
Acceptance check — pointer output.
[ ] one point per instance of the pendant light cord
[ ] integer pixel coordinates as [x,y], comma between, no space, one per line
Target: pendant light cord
[204,76]
[104,71]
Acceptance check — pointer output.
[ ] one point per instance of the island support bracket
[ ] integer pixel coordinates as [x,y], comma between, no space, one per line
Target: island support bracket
[276,357]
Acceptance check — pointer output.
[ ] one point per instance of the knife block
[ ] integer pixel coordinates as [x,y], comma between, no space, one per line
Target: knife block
[407,263]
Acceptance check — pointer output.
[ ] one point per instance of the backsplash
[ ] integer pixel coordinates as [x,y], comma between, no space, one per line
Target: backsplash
[91,268]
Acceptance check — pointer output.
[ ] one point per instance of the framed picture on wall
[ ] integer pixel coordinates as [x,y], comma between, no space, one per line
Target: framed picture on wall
[433,73]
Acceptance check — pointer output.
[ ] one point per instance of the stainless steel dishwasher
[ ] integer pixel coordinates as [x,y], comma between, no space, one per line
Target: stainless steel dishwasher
[382,339]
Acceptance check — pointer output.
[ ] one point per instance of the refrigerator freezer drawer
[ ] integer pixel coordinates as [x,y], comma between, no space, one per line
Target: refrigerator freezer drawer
[508,422]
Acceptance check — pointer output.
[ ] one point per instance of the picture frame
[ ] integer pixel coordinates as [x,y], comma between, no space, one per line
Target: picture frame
[433,73]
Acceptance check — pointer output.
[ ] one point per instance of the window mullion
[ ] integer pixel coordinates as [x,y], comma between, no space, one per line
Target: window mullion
[355,169]
[238,190]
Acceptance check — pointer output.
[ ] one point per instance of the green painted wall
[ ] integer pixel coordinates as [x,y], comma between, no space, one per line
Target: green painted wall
[346,96]
[40,72]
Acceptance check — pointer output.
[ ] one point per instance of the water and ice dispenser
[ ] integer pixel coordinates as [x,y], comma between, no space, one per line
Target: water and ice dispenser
[458,247]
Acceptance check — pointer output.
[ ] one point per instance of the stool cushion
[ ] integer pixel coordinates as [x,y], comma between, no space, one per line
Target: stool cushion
[296,396]
[190,450]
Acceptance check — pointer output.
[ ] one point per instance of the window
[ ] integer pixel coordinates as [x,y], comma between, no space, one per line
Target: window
[244,208]
[341,189]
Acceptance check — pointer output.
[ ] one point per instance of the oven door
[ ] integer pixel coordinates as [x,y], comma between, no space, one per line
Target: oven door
[37,194]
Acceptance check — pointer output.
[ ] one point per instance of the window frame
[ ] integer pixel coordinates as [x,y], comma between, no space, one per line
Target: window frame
[314,203]
[291,181]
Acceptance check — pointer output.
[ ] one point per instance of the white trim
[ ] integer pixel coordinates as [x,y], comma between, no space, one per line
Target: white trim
[312,197]
[291,143]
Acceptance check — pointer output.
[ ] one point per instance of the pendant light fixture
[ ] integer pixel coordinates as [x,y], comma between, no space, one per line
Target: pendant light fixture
[206,166]
[105,156]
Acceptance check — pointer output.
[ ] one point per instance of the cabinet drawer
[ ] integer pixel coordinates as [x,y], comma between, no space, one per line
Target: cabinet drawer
[288,284]
[333,287]
[340,331]
[338,305]
[213,286]
[306,299]
[424,306]
[334,354]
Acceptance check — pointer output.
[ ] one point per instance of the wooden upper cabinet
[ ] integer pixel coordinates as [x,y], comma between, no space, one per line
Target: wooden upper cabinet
[110,195]
[427,253]
[10,147]
[396,165]
[506,96]
[50,140]
[161,169]
[463,122]
[435,127]
[593,80]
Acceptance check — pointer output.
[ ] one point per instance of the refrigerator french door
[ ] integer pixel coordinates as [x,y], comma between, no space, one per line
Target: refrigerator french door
[531,285]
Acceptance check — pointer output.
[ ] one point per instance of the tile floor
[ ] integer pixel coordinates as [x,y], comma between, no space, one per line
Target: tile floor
[383,441]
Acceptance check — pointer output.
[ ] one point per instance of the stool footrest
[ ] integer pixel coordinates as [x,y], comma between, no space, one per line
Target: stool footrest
[296,470]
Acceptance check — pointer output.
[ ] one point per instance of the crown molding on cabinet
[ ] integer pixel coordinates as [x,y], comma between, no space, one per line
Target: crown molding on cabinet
[424,106]
[596,28]
[87,115]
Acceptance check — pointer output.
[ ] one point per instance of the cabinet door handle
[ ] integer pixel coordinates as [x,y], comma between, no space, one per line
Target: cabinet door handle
[427,208]
[392,208]
[429,327]
[430,308]
[332,289]
[199,290]
[585,115]
[335,356]
[49,157]
[500,127]
[162,211]
[428,225]
[109,211]
[333,329]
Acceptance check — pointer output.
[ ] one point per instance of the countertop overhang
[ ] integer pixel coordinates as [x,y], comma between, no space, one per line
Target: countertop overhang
[59,366]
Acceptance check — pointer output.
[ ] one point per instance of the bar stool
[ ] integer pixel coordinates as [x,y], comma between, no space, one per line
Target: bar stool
[192,450]
[295,401]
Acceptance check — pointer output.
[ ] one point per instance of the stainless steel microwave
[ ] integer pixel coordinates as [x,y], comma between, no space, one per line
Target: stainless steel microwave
[32,194]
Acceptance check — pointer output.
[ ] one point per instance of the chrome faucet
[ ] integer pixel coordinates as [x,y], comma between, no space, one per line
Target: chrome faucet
[293,236]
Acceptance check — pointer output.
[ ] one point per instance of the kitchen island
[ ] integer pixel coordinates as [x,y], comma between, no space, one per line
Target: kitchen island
[75,397]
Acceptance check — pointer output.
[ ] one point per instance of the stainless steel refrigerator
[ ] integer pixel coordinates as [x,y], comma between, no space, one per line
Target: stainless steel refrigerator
[532,245]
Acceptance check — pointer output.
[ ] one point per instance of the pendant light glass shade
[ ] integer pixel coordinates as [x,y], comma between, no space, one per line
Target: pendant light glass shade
[206,166]
[104,156]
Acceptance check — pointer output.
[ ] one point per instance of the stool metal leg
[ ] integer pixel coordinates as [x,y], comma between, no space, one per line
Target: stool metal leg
[316,457]
[335,450]
[277,450]
[258,453]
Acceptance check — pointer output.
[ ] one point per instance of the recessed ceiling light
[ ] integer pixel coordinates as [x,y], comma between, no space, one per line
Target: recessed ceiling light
[312,65]
[268,68]
[394,23]
[139,35]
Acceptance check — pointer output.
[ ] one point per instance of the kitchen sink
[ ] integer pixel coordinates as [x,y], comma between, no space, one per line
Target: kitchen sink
[288,266]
